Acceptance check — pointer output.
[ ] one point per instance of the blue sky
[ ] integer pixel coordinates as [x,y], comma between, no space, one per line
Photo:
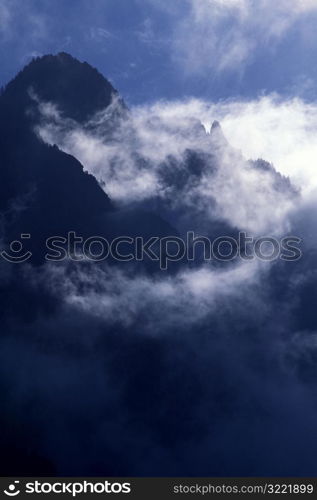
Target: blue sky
[153,49]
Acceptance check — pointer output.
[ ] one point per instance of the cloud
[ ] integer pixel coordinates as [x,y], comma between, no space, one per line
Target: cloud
[125,297]
[99,34]
[138,161]
[288,6]
[5,19]
[281,131]
[25,20]
[224,35]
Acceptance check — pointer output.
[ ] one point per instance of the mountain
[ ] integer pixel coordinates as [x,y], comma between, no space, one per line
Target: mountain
[119,368]
[46,184]
[43,190]
[78,89]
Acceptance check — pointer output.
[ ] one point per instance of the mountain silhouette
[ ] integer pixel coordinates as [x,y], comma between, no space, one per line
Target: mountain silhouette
[43,190]
[77,88]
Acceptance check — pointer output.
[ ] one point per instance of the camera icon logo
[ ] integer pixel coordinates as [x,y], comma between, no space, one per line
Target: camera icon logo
[12,489]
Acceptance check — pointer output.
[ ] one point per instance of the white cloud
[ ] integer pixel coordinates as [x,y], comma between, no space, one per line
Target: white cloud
[281,131]
[186,298]
[134,161]
[224,34]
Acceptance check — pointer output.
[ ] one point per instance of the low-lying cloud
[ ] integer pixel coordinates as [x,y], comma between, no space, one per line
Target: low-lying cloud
[154,142]
[123,297]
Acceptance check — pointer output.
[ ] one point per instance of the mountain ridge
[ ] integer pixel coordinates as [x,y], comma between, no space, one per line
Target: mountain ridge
[79,89]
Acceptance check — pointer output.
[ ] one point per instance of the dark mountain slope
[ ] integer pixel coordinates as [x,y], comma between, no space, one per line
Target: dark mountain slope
[43,190]
[77,88]
[33,171]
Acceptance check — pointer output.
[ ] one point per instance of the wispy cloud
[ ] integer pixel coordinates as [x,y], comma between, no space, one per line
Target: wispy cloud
[153,143]
[187,298]
[99,34]
[224,34]
[5,19]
